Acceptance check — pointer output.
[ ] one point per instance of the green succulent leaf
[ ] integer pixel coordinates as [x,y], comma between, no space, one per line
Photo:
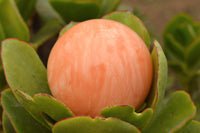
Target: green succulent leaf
[187,32]
[26,7]
[192,127]
[193,54]
[27,102]
[174,50]
[52,107]
[128,19]
[76,10]
[109,5]
[175,111]
[67,27]
[197,28]
[49,30]
[180,27]
[46,11]
[11,21]
[177,67]
[7,126]
[18,116]
[127,113]
[97,125]
[23,68]
[157,91]
[46,105]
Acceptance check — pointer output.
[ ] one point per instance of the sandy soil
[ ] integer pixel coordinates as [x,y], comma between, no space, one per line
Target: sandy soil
[159,12]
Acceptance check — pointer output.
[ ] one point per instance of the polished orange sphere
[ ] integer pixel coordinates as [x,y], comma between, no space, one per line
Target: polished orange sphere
[99,63]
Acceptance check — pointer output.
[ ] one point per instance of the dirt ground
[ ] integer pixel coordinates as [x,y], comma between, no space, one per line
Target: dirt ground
[159,12]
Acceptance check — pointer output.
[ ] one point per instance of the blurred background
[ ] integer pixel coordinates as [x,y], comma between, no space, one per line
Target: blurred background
[157,13]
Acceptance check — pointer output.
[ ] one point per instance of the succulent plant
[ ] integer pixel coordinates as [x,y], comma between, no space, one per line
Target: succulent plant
[17,21]
[28,105]
[182,48]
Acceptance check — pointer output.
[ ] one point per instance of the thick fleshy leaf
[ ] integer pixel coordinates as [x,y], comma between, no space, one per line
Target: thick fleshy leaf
[44,104]
[52,107]
[176,67]
[23,68]
[128,19]
[191,127]
[49,30]
[27,102]
[197,28]
[109,5]
[67,27]
[174,112]
[187,32]
[97,125]
[76,10]
[173,49]
[193,54]
[127,113]
[20,119]
[174,28]
[7,126]
[26,7]
[46,12]
[157,91]
[11,21]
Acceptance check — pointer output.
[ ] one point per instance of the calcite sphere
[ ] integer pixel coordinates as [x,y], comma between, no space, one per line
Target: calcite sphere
[99,63]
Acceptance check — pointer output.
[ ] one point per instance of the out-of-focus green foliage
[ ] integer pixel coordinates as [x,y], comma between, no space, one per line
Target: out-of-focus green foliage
[26,8]
[182,47]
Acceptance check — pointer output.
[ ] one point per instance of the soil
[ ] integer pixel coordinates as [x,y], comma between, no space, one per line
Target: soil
[159,12]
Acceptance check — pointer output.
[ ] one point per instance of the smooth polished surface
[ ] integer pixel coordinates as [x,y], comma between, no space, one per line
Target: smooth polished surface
[99,63]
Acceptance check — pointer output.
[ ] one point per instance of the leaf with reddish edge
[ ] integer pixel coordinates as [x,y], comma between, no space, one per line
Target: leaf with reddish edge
[23,68]
[67,27]
[76,10]
[128,19]
[127,113]
[44,104]
[7,126]
[174,112]
[12,22]
[18,116]
[52,107]
[157,91]
[191,127]
[97,125]
[27,102]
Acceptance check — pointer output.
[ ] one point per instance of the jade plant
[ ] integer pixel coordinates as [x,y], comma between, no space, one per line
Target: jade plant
[29,106]
[182,48]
